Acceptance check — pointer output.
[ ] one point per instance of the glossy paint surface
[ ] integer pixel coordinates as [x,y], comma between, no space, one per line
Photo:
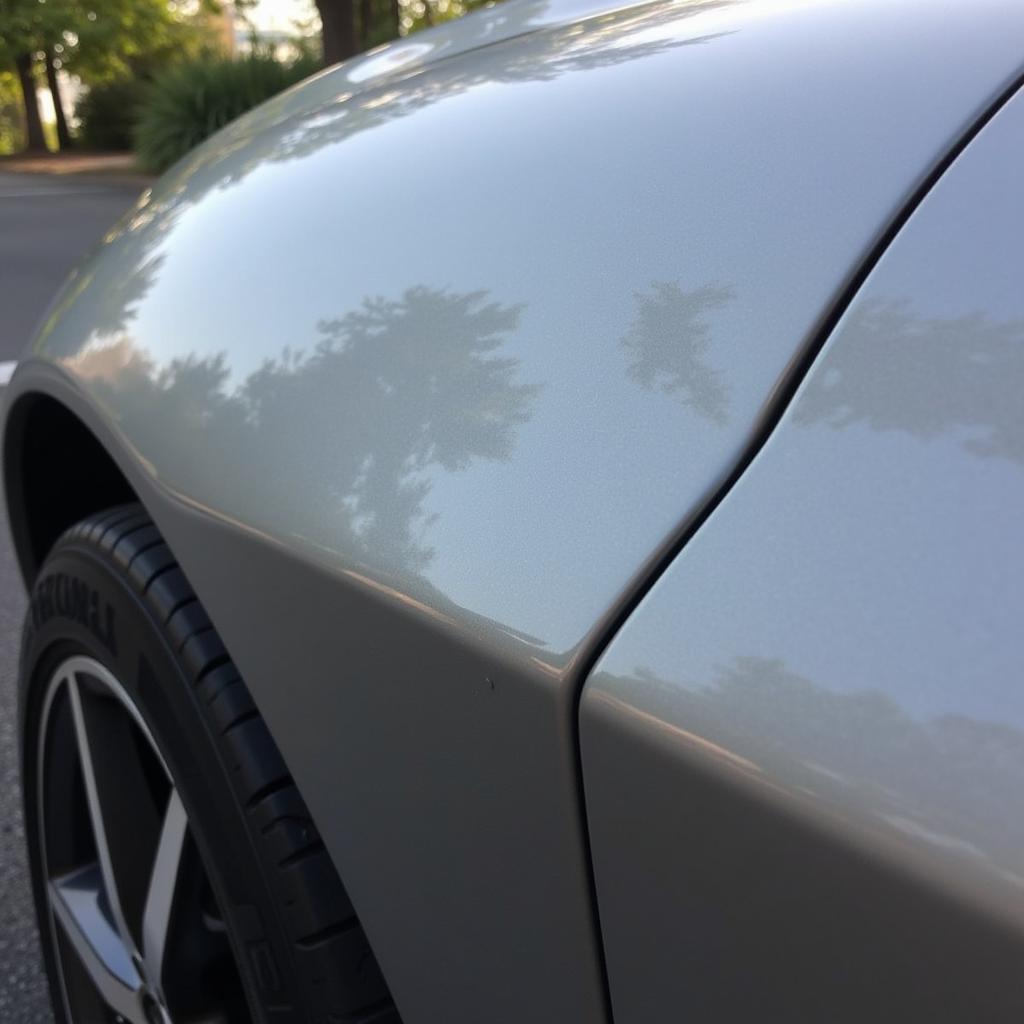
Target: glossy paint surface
[454,385]
[412,440]
[805,749]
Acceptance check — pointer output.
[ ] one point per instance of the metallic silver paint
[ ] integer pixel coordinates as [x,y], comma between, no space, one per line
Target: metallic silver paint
[412,445]
[460,373]
[804,752]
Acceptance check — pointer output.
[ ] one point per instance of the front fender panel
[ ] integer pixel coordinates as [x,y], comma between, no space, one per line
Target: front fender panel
[420,378]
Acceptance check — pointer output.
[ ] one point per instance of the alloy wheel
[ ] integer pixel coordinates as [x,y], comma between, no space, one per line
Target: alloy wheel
[137,933]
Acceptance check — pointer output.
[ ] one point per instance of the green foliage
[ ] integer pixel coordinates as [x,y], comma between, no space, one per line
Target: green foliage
[191,100]
[50,135]
[99,42]
[128,38]
[415,15]
[108,114]
[22,24]
[11,130]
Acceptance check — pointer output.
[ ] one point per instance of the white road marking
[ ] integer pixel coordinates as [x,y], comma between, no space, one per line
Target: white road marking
[6,370]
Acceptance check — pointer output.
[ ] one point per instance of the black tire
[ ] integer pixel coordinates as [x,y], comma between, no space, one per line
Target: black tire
[301,953]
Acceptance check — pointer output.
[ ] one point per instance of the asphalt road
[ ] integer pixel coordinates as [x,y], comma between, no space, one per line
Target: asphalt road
[46,225]
[23,997]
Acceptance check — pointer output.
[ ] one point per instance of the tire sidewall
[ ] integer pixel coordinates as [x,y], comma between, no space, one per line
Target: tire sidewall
[114,626]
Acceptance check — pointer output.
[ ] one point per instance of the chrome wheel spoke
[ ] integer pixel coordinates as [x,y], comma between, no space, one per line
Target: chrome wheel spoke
[123,806]
[130,899]
[99,817]
[78,903]
[163,884]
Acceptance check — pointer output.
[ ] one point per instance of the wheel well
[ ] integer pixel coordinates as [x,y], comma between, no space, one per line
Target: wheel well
[55,473]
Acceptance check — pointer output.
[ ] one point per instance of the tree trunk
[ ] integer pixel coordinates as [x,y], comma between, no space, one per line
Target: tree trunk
[63,135]
[428,13]
[339,29]
[365,21]
[396,18]
[34,138]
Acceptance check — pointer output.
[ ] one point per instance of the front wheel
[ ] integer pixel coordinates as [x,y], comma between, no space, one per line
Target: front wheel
[177,874]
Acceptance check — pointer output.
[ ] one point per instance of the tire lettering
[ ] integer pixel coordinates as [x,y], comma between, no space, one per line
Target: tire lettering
[68,597]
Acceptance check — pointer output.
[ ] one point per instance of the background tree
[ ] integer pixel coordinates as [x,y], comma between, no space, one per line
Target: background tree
[348,27]
[10,112]
[338,29]
[22,22]
[53,65]
[97,41]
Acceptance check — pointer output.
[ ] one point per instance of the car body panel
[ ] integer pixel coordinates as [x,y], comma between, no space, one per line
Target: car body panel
[414,444]
[401,58]
[803,755]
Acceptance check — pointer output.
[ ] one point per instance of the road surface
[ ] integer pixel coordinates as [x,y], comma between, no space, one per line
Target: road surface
[46,224]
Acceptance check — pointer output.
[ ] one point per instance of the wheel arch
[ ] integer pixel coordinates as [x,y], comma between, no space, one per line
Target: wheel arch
[63,460]
[55,472]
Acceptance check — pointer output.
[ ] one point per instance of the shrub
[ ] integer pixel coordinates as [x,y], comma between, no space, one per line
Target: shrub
[107,114]
[193,99]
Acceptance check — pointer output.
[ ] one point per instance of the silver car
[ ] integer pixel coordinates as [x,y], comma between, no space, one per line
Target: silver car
[528,526]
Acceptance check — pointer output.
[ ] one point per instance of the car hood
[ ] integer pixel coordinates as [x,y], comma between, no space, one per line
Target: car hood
[486,332]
